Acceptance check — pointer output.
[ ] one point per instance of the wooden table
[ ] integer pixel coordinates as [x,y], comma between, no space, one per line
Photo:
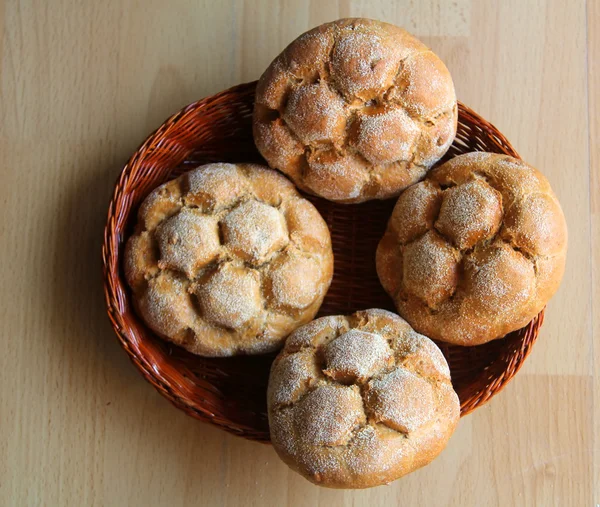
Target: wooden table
[81,85]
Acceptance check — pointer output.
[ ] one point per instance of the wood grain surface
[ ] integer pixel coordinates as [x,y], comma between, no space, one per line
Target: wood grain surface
[81,85]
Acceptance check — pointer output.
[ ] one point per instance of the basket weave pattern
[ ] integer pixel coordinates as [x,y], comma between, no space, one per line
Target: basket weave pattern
[231,392]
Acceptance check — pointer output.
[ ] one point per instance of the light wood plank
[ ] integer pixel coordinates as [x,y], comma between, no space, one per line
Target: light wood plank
[593,29]
[82,83]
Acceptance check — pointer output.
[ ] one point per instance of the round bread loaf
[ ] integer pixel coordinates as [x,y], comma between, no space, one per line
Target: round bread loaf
[228,259]
[355,110]
[474,251]
[360,401]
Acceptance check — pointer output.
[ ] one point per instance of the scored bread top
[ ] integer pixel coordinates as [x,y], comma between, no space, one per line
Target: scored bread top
[228,259]
[355,110]
[476,250]
[359,401]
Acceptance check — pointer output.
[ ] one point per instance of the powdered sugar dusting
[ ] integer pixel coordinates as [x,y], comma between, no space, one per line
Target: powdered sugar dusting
[350,177]
[366,452]
[328,415]
[428,92]
[292,375]
[407,343]
[356,355]
[478,157]
[166,306]
[385,314]
[527,175]
[255,231]
[220,300]
[487,283]
[309,334]
[310,49]
[387,136]
[221,183]
[435,357]
[537,229]
[470,213]
[278,144]
[306,233]
[212,177]
[505,281]
[461,207]
[295,283]
[437,142]
[271,93]
[357,53]
[422,354]
[541,217]
[315,113]
[414,211]
[160,204]
[430,269]
[188,241]
[320,461]
[401,400]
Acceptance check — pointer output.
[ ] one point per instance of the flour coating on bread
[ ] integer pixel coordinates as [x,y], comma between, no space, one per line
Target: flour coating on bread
[356,355]
[475,251]
[355,110]
[359,401]
[228,259]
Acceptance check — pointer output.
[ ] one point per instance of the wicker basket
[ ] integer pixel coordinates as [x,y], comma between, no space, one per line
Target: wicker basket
[230,393]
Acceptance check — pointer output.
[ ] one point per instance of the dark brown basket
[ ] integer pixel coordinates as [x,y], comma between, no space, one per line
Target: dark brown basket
[231,392]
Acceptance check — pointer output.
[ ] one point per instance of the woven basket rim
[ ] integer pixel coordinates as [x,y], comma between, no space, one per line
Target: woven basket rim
[116,291]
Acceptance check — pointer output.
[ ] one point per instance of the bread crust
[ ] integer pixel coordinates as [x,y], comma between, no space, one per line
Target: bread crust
[360,401]
[355,110]
[228,259]
[476,250]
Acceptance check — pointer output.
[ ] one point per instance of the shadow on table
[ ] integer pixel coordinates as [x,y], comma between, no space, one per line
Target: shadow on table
[79,312]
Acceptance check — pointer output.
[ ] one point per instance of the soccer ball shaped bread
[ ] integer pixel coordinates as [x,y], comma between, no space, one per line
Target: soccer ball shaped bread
[228,259]
[360,401]
[475,251]
[355,110]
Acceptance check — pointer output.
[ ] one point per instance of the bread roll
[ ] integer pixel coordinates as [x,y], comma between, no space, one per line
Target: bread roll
[360,401]
[228,259]
[474,251]
[355,110]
